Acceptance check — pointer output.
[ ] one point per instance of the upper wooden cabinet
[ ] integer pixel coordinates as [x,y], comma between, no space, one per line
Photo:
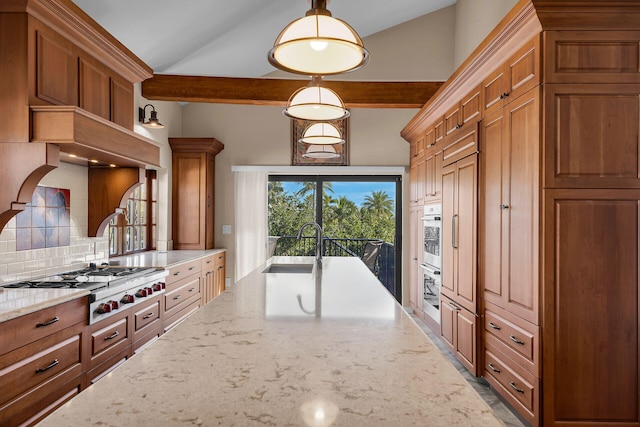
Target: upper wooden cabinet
[67,87]
[516,76]
[463,112]
[193,191]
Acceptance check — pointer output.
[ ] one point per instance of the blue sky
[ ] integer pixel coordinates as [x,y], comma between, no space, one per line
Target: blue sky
[354,191]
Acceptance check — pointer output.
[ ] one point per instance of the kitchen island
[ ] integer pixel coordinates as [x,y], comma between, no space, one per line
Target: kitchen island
[291,348]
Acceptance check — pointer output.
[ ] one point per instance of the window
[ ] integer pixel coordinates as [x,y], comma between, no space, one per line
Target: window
[352,210]
[135,230]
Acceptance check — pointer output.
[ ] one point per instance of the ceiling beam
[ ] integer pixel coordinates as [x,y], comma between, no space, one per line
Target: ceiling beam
[271,91]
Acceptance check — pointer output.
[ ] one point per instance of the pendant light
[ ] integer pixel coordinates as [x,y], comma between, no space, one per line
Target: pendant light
[321,152]
[315,102]
[322,134]
[318,44]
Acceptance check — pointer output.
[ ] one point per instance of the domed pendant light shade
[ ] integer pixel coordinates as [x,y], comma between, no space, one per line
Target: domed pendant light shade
[322,134]
[321,152]
[316,103]
[318,44]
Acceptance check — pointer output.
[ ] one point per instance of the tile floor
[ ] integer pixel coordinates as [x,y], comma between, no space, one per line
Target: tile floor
[501,410]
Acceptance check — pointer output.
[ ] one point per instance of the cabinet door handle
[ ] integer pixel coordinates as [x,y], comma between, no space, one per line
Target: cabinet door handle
[49,366]
[504,207]
[504,95]
[454,232]
[191,268]
[209,262]
[458,126]
[493,368]
[516,340]
[177,297]
[50,322]
[148,316]
[515,387]
[455,307]
[494,326]
[112,336]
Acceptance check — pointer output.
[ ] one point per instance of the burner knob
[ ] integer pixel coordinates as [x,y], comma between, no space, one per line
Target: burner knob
[127,299]
[114,304]
[141,293]
[157,287]
[149,291]
[103,308]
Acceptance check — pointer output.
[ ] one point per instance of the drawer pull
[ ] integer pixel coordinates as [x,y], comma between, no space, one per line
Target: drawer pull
[209,262]
[493,368]
[148,316]
[516,340]
[46,368]
[192,289]
[177,273]
[455,307]
[515,387]
[112,336]
[50,322]
[177,297]
[191,268]
[494,326]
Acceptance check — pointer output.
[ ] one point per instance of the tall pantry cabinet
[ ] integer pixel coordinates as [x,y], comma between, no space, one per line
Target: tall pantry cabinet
[558,208]
[193,177]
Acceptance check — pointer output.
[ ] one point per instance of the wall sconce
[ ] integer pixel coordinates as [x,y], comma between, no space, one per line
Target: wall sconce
[153,121]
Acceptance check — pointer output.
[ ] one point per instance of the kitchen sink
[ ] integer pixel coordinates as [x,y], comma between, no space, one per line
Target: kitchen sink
[289,268]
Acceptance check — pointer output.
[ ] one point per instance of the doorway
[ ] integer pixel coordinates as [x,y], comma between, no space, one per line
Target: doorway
[352,210]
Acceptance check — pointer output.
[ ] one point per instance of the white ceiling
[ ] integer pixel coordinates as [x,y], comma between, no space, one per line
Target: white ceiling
[230,38]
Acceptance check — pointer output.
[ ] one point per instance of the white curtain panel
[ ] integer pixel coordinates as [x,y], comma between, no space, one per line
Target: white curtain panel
[251,220]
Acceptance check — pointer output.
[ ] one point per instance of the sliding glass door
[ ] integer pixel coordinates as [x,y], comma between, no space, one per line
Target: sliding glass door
[352,210]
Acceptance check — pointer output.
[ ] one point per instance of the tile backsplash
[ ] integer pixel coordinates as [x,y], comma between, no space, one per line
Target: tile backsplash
[20,265]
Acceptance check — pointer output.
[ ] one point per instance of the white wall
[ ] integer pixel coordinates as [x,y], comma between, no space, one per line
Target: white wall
[474,21]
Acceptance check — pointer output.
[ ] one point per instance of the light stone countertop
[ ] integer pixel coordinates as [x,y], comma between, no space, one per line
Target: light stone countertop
[162,259]
[20,301]
[329,349]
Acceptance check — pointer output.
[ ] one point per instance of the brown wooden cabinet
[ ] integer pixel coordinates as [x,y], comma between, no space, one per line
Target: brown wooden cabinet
[459,224]
[509,217]
[194,191]
[459,332]
[182,295]
[465,111]
[558,221]
[459,297]
[415,256]
[213,276]
[41,361]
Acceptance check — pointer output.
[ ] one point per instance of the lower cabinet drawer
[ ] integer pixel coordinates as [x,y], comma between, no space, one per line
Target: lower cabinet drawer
[109,338]
[175,318]
[42,400]
[146,315]
[38,362]
[181,296]
[515,384]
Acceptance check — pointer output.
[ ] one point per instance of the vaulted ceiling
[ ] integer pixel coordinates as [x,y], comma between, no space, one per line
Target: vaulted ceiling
[225,45]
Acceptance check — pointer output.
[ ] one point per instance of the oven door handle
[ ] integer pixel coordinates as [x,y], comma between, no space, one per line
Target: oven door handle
[432,218]
[454,231]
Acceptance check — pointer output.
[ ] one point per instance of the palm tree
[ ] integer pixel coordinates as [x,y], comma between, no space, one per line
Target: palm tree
[343,207]
[378,202]
[309,187]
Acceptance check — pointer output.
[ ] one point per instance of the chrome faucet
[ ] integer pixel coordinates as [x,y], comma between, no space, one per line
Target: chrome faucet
[318,238]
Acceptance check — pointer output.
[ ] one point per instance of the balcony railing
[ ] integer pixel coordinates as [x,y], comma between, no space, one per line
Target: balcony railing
[306,246]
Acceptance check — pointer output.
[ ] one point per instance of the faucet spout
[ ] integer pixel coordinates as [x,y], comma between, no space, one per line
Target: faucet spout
[318,238]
